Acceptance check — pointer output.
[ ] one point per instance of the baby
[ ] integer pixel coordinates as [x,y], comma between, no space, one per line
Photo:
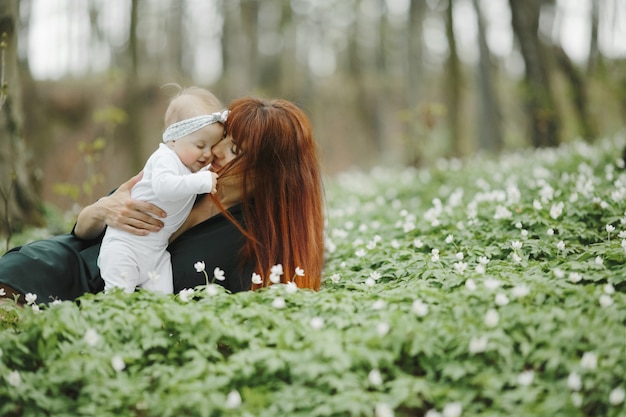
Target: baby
[172,177]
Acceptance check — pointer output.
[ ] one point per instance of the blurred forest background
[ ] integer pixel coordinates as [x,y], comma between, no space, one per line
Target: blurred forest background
[384,81]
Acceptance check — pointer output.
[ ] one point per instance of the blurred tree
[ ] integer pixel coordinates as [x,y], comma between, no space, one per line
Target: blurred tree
[19,185]
[489,118]
[453,84]
[133,102]
[537,90]
[594,51]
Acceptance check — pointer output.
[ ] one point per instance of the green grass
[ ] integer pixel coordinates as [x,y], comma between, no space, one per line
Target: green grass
[521,313]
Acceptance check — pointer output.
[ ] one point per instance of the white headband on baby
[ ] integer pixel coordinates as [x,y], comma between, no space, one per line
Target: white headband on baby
[185,127]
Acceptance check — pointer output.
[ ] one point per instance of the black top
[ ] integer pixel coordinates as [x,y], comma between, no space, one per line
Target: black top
[65,267]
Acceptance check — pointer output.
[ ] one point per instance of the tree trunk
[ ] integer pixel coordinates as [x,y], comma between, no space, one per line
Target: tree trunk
[489,119]
[133,101]
[578,89]
[594,51]
[453,85]
[413,93]
[539,101]
[20,203]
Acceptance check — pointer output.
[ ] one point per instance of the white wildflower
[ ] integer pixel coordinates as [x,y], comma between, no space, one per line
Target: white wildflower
[478,344]
[460,267]
[520,291]
[622,234]
[360,253]
[30,298]
[589,361]
[516,245]
[491,283]
[278,303]
[316,323]
[419,308]
[609,289]
[395,244]
[606,300]
[599,260]
[616,397]
[374,377]
[378,304]
[501,299]
[383,410]
[575,277]
[492,318]
[454,409]
[382,328]
[277,269]
[118,363]
[14,379]
[435,255]
[418,243]
[574,382]
[556,210]
[199,266]
[470,285]
[449,239]
[334,278]
[560,245]
[375,275]
[518,225]
[274,278]
[185,294]
[516,258]
[2,292]
[550,232]
[291,288]
[483,260]
[577,399]
[91,337]
[233,400]
[218,274]
[256,279]
[558,272]
[459,256]
[526,378]
[35,308]
[502,213]
[212,289]
[610,228]
[480,269]
[432,413]
[537,205]
[370,282]
[524,233]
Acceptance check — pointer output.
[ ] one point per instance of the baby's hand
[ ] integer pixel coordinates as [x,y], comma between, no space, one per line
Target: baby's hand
[214,178]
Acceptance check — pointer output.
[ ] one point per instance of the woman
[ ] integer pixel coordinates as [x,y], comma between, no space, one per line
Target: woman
[268,211]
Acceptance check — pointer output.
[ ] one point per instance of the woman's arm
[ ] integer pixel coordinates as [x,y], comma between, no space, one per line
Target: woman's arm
[120,211]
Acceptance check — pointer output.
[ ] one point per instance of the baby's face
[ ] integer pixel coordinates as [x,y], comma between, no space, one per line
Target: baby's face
[194,150]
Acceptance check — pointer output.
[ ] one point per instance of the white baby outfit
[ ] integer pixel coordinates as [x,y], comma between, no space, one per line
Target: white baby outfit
[130,261]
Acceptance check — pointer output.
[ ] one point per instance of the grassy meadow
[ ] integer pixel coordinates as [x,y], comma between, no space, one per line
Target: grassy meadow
[485,287]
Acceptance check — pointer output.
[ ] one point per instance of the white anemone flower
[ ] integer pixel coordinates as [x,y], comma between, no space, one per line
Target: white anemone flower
[256,279]
[616,397]
[278,303]
[219,274]
[492,318]
[200,267]
[233,400]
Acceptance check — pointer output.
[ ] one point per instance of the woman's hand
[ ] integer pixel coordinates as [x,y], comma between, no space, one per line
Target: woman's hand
[119,211]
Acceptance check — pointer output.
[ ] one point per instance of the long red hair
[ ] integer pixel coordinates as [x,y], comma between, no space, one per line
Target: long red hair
[282,198]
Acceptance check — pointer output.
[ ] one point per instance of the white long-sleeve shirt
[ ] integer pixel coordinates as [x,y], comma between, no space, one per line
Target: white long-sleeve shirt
[170,185]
